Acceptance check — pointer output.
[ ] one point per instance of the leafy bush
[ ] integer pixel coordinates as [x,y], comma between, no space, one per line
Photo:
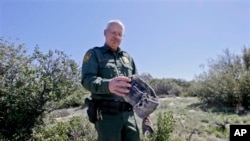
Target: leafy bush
[227,81]
[164,127]
[31,85]
[173,87]
[76,129]
[243,86]
[74,100]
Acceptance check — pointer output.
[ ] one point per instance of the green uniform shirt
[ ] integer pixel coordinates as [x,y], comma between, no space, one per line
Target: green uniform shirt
[100,65]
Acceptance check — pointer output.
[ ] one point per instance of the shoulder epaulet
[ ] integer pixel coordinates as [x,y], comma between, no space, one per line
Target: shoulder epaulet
[124,53]
[97,51]
[94,48]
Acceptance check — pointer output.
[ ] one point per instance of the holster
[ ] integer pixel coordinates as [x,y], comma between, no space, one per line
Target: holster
[98,107]
[91,111]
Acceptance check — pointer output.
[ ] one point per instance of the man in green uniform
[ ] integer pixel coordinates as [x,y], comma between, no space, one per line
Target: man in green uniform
[105,73]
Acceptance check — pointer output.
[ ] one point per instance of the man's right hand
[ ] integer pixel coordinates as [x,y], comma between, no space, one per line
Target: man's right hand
[120,85]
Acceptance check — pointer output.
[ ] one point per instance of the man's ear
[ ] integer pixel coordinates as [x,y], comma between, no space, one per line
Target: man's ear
[105,32]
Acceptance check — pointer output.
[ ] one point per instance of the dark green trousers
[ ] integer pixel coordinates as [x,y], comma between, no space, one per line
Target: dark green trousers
[120,127]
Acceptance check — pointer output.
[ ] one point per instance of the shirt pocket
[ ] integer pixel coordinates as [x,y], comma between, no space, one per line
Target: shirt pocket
[107,69]
[127,70]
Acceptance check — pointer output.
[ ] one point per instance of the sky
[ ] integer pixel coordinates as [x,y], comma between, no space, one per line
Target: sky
[166,38]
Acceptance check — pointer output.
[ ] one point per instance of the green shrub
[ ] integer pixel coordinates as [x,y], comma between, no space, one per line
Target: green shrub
[227,81]
[76,129]
[73,100]
[164,127]
[170,86]
[31,85]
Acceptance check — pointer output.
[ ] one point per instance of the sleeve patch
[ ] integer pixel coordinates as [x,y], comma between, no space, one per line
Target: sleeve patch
[87,57]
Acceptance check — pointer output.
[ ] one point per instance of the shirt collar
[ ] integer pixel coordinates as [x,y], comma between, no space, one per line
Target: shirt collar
[106,49]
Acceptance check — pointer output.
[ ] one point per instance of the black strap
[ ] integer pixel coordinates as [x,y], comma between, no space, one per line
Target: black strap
[112,107]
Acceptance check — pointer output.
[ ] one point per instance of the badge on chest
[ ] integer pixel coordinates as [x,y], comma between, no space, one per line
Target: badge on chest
[125,60]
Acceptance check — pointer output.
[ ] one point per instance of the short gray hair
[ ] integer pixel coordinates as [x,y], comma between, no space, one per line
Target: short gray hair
[115,22]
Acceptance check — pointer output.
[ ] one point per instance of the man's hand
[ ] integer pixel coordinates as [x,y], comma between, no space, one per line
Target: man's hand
[120,85]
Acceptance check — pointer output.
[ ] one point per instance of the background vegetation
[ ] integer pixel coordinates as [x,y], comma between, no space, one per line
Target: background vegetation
[37,89]
[33,85]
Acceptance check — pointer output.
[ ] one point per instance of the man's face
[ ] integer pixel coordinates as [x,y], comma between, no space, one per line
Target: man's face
[113,36]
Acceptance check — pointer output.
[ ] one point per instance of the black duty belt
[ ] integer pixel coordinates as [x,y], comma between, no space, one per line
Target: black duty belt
[112,107]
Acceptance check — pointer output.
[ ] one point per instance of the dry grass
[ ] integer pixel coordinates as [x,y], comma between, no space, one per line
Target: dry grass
[195,122]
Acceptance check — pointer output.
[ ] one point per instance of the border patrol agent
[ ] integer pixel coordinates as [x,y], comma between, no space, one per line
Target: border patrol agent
[105,73]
